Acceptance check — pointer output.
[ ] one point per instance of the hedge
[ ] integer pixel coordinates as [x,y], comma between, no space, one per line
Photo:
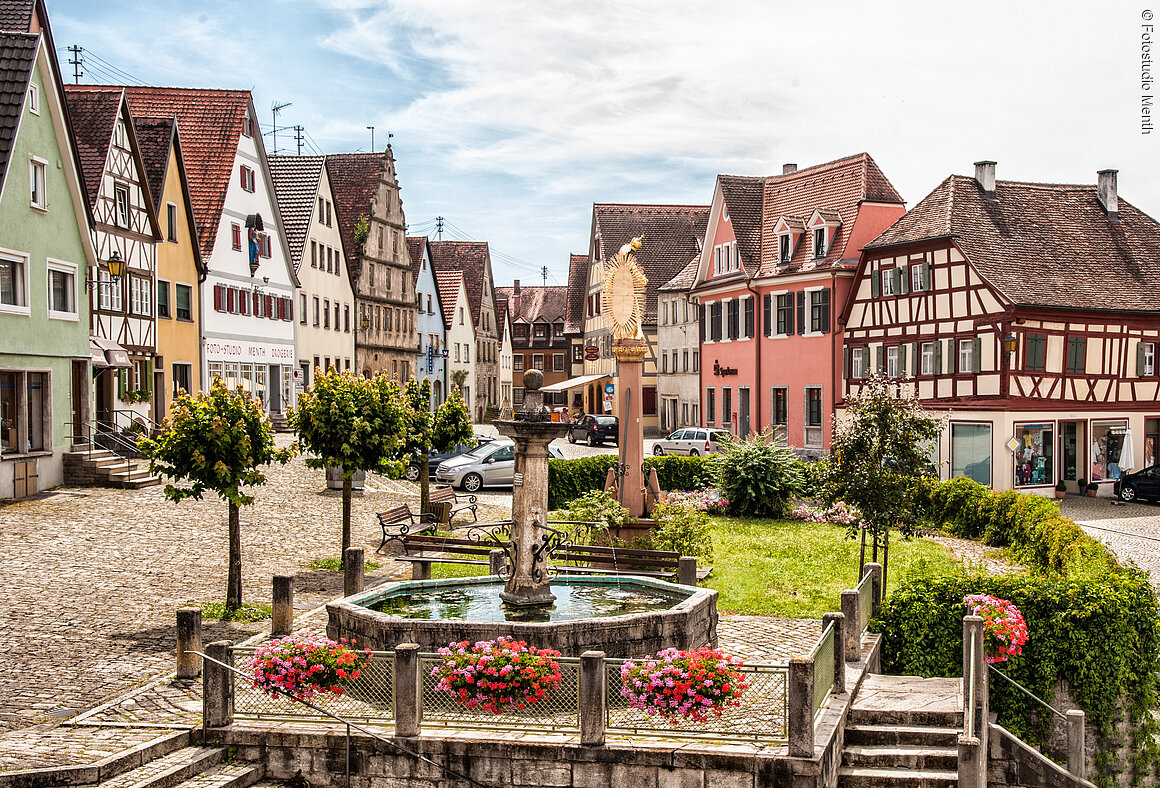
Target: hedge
[1030,525]
[1099,634]
[569,479]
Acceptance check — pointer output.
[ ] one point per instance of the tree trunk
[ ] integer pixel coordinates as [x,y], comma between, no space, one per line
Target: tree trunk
[424,483]
[234,580]
[346,494]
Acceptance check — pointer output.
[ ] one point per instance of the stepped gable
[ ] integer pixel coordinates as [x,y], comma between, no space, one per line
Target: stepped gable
[577,292]
[354,179]
[448,284]
[470,257]
[93,110]
[296,180]
[17,58]
[672,235]
[1043,244]
[211,123]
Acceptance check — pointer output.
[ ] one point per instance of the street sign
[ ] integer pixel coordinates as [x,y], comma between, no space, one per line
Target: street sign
[591,353]
[610,388]
[1013,444]
[430,359]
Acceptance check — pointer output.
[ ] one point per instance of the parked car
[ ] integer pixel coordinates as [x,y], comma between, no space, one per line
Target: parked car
[435,460]
[1139,485]
[491,464]
[692,441]
[594,429]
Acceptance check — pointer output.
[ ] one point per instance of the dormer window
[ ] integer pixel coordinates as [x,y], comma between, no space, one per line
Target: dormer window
[824,225]
[784,248]
[819,243]
[789,232]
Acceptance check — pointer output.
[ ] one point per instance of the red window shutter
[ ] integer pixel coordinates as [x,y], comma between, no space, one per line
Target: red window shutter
[217,297]
[242,174]
[230,300]
[236,236]
[270,306]
[243,304]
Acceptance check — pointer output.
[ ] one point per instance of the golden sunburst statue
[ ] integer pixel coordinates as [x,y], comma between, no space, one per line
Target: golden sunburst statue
[622,300]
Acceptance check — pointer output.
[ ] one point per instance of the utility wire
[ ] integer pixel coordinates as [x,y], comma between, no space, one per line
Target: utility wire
[124,74]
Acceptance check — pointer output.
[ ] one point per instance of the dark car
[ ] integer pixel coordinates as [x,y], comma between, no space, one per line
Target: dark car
[594,429]
[1139,485]
[435,460]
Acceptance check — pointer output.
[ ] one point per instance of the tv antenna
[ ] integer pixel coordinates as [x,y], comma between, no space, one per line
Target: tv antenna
[275,108]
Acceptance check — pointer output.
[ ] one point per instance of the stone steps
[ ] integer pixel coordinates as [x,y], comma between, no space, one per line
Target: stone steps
[902,757]
[170,770]
[862,777]
[103,468]
[885,735]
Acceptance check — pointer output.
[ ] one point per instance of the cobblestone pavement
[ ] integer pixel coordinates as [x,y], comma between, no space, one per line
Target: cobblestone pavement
[1130,530]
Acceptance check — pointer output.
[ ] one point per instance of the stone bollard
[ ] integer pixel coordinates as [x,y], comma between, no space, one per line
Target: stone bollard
[420,570]
[593,697]
[972,771]
[875,589]
[352,578]
[408,691]
[687,570]
[839,621]
[800,711]
[282,620]
[1076,761]
[188,641]
[496,561]
[217,701]
[852,628]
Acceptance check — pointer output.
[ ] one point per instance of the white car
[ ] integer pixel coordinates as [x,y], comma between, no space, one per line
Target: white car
[490,464]
[692,441]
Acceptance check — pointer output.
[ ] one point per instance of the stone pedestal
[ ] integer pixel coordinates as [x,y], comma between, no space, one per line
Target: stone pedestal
[527,583]
[630,368]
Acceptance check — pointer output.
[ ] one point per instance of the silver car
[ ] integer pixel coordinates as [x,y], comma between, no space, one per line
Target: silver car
[692,441]
[488,465]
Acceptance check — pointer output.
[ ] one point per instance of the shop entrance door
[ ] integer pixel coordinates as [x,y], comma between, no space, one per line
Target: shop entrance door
[275,389]
[1070,443]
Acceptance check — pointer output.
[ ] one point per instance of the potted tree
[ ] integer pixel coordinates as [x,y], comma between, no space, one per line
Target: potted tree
[1061,489]
[1092,488]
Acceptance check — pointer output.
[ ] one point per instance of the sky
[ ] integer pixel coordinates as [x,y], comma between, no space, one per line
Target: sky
[510,119]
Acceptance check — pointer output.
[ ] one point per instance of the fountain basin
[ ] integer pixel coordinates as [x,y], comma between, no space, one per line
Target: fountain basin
[626,616]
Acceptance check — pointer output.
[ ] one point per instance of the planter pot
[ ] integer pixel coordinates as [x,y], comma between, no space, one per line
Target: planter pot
[334,478]
[1060,493]
[1091,493]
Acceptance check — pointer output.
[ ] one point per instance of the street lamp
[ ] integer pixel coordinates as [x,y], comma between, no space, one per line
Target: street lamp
[366,323]
[1009,343]
[114,265]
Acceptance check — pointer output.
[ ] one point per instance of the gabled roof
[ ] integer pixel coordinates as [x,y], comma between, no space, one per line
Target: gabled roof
[17,60]
[448,283]
[415,246]
[155,138]
[1043,244]
[297,180]
[684,280]
[211,124]
[16,15]
[577,293]
[470,257]
[549,303]
[354,179]
[742,196]
[502,316]
[93,110]
[671,236]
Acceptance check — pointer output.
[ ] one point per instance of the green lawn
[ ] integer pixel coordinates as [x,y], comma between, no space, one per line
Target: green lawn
[796,569]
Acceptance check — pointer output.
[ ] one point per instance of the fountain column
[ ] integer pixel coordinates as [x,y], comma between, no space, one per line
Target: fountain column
[630,363]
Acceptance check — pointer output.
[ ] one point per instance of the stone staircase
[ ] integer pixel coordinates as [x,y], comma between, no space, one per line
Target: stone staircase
[278,421]
[103,468]
[902,732]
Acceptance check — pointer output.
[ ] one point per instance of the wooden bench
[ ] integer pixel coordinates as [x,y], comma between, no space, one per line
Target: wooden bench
[400,522]
[459,503]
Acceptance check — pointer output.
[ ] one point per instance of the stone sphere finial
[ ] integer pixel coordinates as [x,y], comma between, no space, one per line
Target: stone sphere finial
[533,379]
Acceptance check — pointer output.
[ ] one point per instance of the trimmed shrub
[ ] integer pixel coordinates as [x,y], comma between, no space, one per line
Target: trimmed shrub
[1030,525]
[683,473]
[758,477]
[569,479]
[1099,634]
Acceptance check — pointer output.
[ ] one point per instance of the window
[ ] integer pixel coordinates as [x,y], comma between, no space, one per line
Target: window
[664,362]
[326,314]
[820,310]
[540,330]
[684,361]
[346,318]
[62,291]
[430,308]
[1076,354]
[184,295]
[121,203]
[726,406]
[537,361]
[1035,353]
[460,315]
[162,298]
[236,236]
[785,314]
[781,406]
[918,276]
[557,362]
[37,182]
[34,98]
[140,302]
[696,361]
[813,406]
[13,292]
[25,405]
[785,250]
[1146,359]
[971,451]
[749,317]
[182,378]
[110,298]
[246,128]
[171,222]
[886,277]
[1033,457]
[966,355]
[317,315]
[577,354]
[336,314]
[715,321]
[302,308]
[247,177]
[857,363]
[927,358]
[819,243]
[1107,448]
[892,361]
[120,138]
[710,406]
[734,318]
[322,212]
[314,254]
[456,351]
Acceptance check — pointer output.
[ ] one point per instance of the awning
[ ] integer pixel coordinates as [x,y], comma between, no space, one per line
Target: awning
[574,383]
[107,353]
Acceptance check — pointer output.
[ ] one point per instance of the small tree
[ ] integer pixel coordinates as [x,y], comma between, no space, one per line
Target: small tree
[352,422]
[758,476]
[429,432]
[880,456]
[216,441]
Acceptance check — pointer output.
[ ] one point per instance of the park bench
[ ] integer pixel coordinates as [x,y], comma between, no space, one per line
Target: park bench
[459,503]
[400,522]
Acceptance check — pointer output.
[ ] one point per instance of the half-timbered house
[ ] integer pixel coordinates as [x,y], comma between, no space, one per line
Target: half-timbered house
[125,226]
[1028,313]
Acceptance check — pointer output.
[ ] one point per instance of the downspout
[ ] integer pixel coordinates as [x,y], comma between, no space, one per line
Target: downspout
[757,335]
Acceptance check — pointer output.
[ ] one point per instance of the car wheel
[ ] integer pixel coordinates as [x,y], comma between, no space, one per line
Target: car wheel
[658,451]
[694,453]
[412,473]
[1127,493]
[472,482]
[591,441]
[571,437]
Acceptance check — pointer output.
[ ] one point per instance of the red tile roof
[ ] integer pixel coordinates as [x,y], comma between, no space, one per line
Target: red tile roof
[211,124]
[354,179]
[577,293]
[154,138]
[93,110]
[472,258]
[415,246]
[684,280]
[743,196]
[671,237]
[296,183]
[538,302]
[448,284]
[1043,244]
[16,15]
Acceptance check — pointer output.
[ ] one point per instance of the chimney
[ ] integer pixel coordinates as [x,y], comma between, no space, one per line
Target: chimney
[515,310]
[1106,190]
[788,169]
[985,177]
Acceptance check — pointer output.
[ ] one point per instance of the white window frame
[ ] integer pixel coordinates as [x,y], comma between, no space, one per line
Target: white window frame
[820,250]
[121,208]
[808,316]
[1149,358]
[917,284]
[892,361]
[23,307]
[171,222]
[34,98]
[886,281]
[61,266]
[140,296]
[35,165]
[856,370]
[111,297]
[926,356]
[965,356]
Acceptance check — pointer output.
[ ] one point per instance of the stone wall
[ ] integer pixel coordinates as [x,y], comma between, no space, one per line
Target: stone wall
[1011,762]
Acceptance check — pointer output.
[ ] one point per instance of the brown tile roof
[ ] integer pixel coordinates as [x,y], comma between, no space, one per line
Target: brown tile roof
[448,284]
[415,244]
[501,314]
[16,15]
[838,188]
[743,198]
[17,58]
[672,235]
[211,123]
[470,257]
[1043,244]
[354,179]
[93,110]
[538,302]
[154,138]
[296,182]
[577,293]
[684,280]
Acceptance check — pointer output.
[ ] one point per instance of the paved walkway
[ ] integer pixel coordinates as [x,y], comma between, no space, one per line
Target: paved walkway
[1130,530]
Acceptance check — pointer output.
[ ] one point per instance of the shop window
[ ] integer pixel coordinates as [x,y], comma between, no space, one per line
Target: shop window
[710,406]
[25,401]
[971,451]
[1107,448]
[1034,458]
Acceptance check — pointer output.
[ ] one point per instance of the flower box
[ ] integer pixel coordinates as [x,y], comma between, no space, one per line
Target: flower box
[1004,630]
[499,676]
[684,685]
[303,665]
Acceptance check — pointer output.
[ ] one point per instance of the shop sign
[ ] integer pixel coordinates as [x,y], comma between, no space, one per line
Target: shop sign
[591,353]
[723,371]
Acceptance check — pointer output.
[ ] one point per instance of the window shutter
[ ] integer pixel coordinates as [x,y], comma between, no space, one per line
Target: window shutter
[826,311]
[865,361]
[767,315]
[916,354]
[952,358]
[875,284]
[1140,359]
[269,306]
[801,311]
[880,358]
[903,279]
[242,175]
[976,355]
[281,308]
[937,358]
[290,309]
[926,283]
[147,384]
[749,318]
[702,319]
[896,275]
[217,297]
[789,328]
[229,300]
[846,363]
[902,361]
